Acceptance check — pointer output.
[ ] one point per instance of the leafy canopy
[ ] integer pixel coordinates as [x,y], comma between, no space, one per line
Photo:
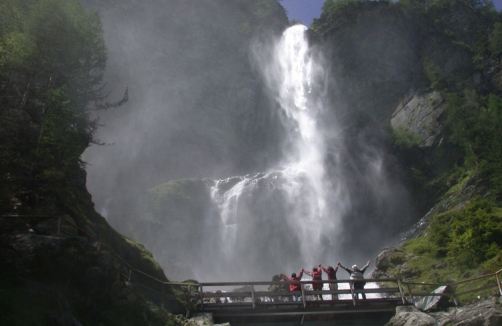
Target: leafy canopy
[52,60]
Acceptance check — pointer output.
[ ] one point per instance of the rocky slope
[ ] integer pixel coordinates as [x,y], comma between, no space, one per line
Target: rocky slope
[486,312]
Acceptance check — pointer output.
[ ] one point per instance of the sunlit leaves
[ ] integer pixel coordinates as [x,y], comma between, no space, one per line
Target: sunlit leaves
[52,60]
[469,236]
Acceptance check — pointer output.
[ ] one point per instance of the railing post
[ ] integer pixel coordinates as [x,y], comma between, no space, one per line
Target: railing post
[453,296]
[59,227]
[401,291]
[188,300]
[201,289]
[252,296]
[498,282]
[304,299]
[351,286]
[409,291]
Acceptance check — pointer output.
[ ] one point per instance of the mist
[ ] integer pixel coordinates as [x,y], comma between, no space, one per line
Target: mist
[294,179]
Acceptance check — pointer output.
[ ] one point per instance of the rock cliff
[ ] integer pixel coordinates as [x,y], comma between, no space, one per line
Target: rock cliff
[485,312]
[197,105]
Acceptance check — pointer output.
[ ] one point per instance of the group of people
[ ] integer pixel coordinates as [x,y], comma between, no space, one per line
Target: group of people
[356,274]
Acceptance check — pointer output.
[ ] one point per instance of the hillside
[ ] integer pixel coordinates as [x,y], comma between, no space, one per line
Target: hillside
[52,60]
[432,75]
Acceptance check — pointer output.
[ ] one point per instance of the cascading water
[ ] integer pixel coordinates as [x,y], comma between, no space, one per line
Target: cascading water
[287,218]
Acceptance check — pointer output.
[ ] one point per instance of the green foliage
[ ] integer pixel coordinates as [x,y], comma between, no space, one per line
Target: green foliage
[397,259]
[420,246]
[261,21]
[467,237]
[405,139]
[331,6]
[434,74]
[475,123]
[495,39]
[52,60]
[335,12]
[470,236]
[459,244]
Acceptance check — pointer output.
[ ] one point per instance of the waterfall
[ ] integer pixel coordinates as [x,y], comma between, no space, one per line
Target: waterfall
[286,218]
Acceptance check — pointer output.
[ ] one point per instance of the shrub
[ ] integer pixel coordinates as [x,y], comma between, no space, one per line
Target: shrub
[470,236]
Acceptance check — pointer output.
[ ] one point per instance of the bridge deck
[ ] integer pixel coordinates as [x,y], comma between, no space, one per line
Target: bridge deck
[336,312]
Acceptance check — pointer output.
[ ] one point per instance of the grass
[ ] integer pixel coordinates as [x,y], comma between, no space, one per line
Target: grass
[428,268]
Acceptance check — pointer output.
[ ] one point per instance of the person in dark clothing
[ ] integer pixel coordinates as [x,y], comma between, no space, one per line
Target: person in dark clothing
[316,276]
[331,273]
[356,274]
[294,287]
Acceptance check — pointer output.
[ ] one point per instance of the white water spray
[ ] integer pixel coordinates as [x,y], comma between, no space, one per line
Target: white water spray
[302,208]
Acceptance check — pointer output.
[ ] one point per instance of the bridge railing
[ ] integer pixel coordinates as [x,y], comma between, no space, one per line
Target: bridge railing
[249,293]
[455,290]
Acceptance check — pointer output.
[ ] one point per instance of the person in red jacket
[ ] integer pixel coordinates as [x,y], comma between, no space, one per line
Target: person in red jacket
[316,276]
[331,272]
[294,287]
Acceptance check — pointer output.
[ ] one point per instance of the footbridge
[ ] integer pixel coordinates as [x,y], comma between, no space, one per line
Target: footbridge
[268,303]
[253,303]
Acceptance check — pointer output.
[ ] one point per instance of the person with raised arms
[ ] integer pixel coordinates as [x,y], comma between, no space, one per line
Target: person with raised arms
[331,273]
[294,287]
[356,274]
[316,276]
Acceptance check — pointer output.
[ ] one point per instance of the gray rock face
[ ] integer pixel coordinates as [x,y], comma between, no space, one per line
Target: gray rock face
[411,316]
[483,313]
[374,58]
[383,260]
[197,107]
[419,115]
[391,258]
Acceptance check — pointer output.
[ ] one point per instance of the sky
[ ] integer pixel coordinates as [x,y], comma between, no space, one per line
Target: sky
[303,10]
[307,10]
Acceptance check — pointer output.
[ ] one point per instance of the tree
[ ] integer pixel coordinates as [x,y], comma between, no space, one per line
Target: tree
[52,60]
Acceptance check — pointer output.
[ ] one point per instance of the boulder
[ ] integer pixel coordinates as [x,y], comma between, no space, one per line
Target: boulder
[410,316]
[389,257]
[486,312]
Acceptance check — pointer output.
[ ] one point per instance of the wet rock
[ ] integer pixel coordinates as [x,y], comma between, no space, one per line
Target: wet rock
[487,312]
[202,319]
[484,313]
[390,257]
[411,316]
[419,115]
